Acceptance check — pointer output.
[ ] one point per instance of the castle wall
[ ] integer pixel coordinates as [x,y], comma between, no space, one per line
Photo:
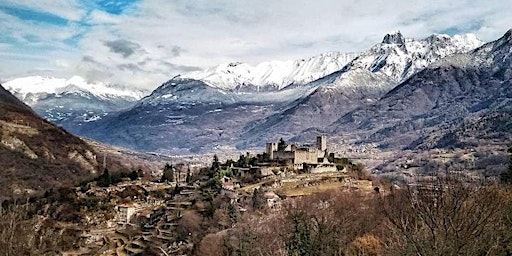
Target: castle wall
[309,156]
[283,155]
[324,168]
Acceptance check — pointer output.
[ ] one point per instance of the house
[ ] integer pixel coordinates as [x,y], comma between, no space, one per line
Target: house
[125,212]
[228,184]
[148,217]
[261,171]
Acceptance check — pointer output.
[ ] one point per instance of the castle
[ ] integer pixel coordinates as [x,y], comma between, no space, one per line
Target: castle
[312,157]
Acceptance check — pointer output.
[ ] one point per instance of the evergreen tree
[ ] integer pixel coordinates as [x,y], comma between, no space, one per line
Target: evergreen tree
[215,168]
[281,146]
[299,242]
[215,163]
[176,190]
[140,173]
[189,176]
[214,183]
[244,160]
[233,213]
[168,174]
[258,199]
[133,175]
[105,179]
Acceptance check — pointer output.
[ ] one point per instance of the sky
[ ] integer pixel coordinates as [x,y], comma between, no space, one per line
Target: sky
[143,43]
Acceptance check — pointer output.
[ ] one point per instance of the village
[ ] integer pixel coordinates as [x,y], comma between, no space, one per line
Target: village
[147,213]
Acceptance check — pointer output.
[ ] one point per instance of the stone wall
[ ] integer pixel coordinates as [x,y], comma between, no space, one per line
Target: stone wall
[309,156]
[323,168]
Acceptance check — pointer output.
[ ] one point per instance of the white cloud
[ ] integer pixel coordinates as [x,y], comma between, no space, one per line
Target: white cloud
[174,36]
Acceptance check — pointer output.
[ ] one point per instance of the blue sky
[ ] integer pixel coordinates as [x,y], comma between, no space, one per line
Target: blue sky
[143,43]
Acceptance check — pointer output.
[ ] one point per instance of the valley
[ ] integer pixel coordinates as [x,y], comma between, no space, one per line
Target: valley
[402,148]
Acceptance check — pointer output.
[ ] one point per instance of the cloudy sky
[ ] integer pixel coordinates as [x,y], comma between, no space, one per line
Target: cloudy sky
[143,43]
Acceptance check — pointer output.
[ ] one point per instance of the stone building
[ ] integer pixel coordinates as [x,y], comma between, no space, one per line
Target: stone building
[315,157]
[300,155]
[125,212]
[273,200]
[271,147]
[321,143]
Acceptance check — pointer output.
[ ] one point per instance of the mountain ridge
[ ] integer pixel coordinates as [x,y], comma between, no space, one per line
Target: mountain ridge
[37,155]
[188,115]
[72,102]
[271,75]
[439,100]
[360,82]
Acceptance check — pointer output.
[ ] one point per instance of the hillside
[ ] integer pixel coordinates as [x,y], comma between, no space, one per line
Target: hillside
[37,155]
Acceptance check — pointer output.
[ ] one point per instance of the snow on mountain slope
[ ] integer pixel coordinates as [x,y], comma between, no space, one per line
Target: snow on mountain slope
[399,57]
[238,105]
[362,81]
[183,115]
[31,89]
[72,102]
[273,74]
[446,104]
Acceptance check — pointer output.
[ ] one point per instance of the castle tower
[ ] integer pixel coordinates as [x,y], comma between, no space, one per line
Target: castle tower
[321,143]
[271,147]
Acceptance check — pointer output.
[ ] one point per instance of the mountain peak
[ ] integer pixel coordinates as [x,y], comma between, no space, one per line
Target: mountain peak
[394,38]
[272,75]
[504,43]
[508,35]
[234,64]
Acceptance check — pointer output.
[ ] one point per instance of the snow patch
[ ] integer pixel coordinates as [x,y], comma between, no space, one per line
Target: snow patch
[27,88]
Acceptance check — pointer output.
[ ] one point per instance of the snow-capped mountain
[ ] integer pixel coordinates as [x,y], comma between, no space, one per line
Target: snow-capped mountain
[272,75]
[229,106]
[181,116]
[456,101]
[362,81]
[395,59]
[71,102]
[34,88]
[399,57]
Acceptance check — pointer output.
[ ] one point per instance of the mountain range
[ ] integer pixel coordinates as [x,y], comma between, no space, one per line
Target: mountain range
[37,156]
[401,93]
[362,81]
[74,101]
[272,75]
[455,102]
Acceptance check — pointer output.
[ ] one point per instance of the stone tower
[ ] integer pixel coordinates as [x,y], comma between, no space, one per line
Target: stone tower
[321,143]
[271,147]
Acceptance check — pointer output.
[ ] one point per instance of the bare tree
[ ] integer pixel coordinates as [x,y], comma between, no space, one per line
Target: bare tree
[24,234]
[212,245]
[445,217]
[189,227]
